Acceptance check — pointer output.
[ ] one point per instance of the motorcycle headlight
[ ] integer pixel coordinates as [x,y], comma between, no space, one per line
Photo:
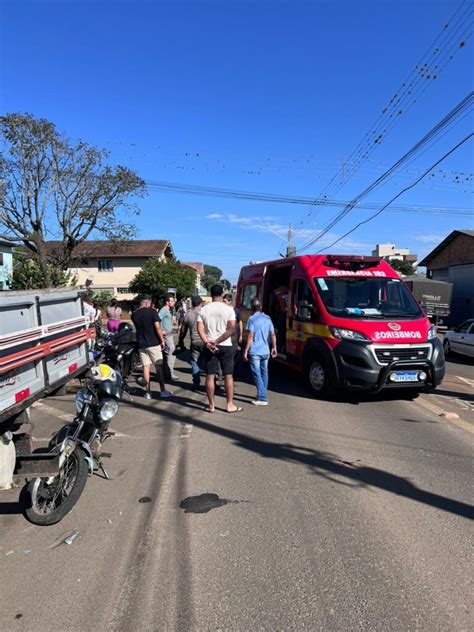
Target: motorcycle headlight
[348,334]
[431,333]
[108,409]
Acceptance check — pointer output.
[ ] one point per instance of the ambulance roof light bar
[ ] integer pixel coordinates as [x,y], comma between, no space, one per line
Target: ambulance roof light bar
[351,262]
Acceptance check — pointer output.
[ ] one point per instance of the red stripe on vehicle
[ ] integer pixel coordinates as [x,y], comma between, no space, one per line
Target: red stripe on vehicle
[73,367]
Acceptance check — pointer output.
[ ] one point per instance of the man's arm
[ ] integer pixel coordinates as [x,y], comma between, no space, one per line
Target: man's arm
[273,351]
[248,344]
[182,333]
[159,332]
[241,331]
[202,334]
[228,332]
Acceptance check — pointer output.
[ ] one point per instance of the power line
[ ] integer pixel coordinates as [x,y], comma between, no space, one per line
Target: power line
[413,184]
[421,75]
[434,132]
[190,189]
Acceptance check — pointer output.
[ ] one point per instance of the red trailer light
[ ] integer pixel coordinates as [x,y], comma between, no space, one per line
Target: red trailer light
[21,395]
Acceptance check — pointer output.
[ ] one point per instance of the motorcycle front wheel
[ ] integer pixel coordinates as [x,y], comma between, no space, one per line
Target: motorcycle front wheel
[48,503]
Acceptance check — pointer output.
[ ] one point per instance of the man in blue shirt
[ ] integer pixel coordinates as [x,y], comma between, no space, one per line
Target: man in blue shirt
[257,349]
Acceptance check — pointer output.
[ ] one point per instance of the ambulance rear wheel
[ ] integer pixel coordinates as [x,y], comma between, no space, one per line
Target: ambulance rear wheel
[318,377]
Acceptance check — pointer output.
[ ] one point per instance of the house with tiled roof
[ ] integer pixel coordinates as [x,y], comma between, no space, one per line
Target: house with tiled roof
[453,260]
[6,263]
[199,270]
[112,266]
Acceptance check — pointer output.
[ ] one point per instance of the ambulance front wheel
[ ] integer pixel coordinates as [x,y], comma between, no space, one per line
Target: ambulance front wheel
[318,377]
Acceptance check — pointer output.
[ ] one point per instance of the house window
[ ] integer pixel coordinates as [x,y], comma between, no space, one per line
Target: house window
[105,265]
[1,258]
[123,290]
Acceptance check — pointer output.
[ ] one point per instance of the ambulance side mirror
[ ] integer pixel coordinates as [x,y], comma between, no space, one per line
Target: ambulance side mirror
[306,311]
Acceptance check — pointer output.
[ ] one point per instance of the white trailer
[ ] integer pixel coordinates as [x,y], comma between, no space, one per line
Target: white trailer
[44,343]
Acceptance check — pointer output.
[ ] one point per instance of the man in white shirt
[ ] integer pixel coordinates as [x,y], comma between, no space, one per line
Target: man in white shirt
[216,324]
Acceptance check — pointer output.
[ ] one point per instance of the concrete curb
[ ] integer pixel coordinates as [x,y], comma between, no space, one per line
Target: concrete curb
[443,414]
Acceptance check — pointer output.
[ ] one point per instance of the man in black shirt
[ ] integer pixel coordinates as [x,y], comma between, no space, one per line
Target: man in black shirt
[150,341]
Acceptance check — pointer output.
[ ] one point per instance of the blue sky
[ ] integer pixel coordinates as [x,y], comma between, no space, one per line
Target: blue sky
[262,96]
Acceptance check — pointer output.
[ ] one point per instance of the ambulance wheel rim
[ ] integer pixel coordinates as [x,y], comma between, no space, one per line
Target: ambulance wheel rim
[317,376]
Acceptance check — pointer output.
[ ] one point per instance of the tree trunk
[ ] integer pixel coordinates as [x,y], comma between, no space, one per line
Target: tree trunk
[43,263]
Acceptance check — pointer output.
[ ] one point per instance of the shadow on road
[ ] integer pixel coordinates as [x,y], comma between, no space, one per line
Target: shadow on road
[457,394]
[321,463]
[11,509]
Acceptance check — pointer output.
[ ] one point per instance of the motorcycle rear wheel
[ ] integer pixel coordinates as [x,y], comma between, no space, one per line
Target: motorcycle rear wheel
[47,504]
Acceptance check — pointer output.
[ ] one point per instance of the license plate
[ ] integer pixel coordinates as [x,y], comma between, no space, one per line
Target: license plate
[405,376]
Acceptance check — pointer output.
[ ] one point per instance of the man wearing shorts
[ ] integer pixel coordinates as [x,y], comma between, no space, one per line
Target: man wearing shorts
[216,324]
[150,341]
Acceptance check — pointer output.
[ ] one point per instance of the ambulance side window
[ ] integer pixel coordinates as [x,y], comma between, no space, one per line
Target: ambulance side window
[303,301]
[249,292]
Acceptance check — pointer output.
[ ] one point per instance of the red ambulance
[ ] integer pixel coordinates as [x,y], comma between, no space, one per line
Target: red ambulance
[345,322]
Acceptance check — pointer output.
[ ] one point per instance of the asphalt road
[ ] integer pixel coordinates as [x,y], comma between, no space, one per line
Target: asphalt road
[348,515]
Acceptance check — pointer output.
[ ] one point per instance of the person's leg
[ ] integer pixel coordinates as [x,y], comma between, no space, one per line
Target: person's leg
[146,363]
[229,392]
[195,370]
[255,368]
[226,360]
[170,357]
[146,376]
[211,368]
[160,377]
[210,391]
[264,377]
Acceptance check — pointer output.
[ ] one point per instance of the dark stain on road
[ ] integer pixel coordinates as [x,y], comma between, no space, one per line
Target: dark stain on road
[144,499]
[18,616]
[204,503]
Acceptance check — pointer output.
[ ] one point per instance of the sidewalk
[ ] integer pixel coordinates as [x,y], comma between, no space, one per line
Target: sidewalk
[454,396]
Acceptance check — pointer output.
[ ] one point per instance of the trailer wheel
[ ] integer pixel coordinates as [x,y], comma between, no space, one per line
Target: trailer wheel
[318,377]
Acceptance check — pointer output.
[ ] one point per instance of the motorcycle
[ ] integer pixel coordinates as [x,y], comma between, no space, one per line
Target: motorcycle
[78,446]
[120,352]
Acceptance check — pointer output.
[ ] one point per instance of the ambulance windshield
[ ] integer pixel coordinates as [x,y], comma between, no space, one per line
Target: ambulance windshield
[367,297]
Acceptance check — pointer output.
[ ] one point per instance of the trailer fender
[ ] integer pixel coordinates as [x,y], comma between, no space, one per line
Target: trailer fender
[7,461]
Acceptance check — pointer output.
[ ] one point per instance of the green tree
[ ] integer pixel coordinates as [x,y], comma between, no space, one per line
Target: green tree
[51,188]
[404,267]
[227,285]
[212,275]
[28,275]
[102,298]
[157,276]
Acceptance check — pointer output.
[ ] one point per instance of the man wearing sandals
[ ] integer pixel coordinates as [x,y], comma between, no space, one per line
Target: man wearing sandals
[216,324]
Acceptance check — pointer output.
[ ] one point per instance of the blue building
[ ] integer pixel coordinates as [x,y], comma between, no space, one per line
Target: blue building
[6,264]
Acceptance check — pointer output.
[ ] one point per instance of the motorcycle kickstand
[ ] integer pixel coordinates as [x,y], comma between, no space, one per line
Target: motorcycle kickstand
[103,470]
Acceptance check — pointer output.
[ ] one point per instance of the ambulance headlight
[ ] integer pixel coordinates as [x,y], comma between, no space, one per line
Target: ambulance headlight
[431,333]
[348,334]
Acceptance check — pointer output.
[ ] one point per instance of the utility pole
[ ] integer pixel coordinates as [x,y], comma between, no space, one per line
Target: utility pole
[290,249]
